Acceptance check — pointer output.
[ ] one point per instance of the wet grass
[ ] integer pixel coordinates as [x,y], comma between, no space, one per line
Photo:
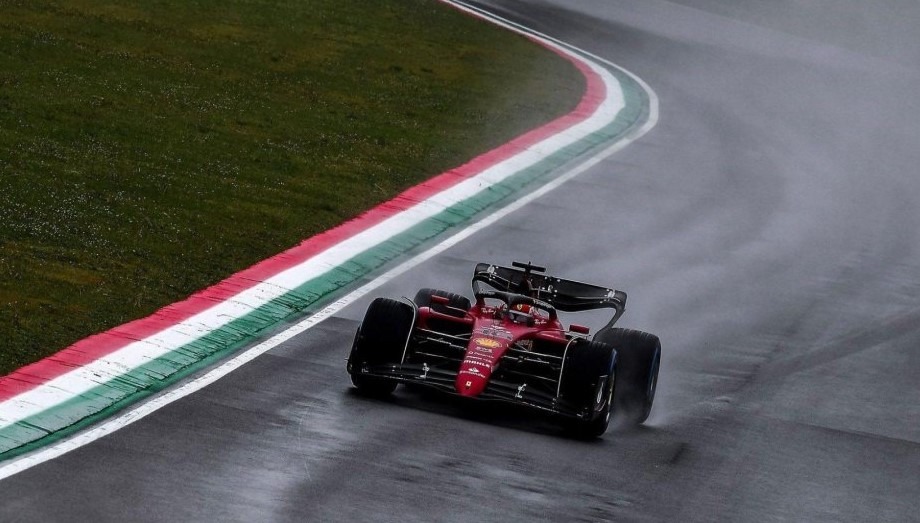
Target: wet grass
[151,148]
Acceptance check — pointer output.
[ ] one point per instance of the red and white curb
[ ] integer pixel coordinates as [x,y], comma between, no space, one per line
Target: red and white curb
[77,371]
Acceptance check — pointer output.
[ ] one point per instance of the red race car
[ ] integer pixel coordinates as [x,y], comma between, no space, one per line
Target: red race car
[511,346]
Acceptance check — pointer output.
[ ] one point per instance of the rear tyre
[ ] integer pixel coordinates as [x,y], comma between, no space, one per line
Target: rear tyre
[457,304]
[381,339]
[638,362]
[589,382]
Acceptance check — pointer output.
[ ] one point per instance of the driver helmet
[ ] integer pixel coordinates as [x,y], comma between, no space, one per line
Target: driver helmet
[524,307]
[522,313]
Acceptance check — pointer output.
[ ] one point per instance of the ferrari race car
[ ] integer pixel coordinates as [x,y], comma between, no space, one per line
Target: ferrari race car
[510,346]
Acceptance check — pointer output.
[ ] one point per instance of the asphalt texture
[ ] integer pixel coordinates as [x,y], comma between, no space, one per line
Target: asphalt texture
[767,230]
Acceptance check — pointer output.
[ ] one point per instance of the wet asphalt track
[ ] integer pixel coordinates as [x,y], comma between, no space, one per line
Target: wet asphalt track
[767,229]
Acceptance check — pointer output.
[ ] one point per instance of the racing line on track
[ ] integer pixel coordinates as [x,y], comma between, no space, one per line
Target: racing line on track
[44,406]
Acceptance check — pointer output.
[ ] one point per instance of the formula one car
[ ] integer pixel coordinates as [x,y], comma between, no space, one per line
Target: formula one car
[510,346]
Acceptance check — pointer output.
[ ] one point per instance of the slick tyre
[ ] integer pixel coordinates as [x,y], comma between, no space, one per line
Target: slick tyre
[589,381]
[638,361]
[457,305]
[381,339]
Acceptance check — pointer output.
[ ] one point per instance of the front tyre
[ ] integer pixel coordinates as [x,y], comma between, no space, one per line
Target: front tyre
[588,382]
[381,339]
[638,362]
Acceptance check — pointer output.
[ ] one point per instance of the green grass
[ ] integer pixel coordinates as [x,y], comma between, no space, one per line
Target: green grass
[151,148]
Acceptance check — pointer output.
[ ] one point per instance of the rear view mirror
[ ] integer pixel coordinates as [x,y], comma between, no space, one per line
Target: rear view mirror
[580,329]
[441,300]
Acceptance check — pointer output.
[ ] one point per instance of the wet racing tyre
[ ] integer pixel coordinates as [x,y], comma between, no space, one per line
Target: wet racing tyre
[381,339]
[589,379]
[638,361]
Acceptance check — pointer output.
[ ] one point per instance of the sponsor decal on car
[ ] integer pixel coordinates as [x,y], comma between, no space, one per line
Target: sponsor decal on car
[496,332]
[487,342]
[474,371]
[485,362]
[482,352]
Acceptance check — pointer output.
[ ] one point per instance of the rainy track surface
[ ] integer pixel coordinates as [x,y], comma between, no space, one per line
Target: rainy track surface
[767,229]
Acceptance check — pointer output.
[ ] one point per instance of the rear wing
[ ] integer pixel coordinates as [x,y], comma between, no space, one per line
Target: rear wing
[564,295]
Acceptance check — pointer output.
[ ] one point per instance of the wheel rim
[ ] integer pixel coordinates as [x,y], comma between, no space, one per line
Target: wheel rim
[653,384]
[610,397]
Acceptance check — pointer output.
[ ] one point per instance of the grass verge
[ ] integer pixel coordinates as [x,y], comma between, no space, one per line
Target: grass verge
[149,149]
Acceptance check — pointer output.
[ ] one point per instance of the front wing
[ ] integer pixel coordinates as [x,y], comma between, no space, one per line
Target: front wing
[497,390]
